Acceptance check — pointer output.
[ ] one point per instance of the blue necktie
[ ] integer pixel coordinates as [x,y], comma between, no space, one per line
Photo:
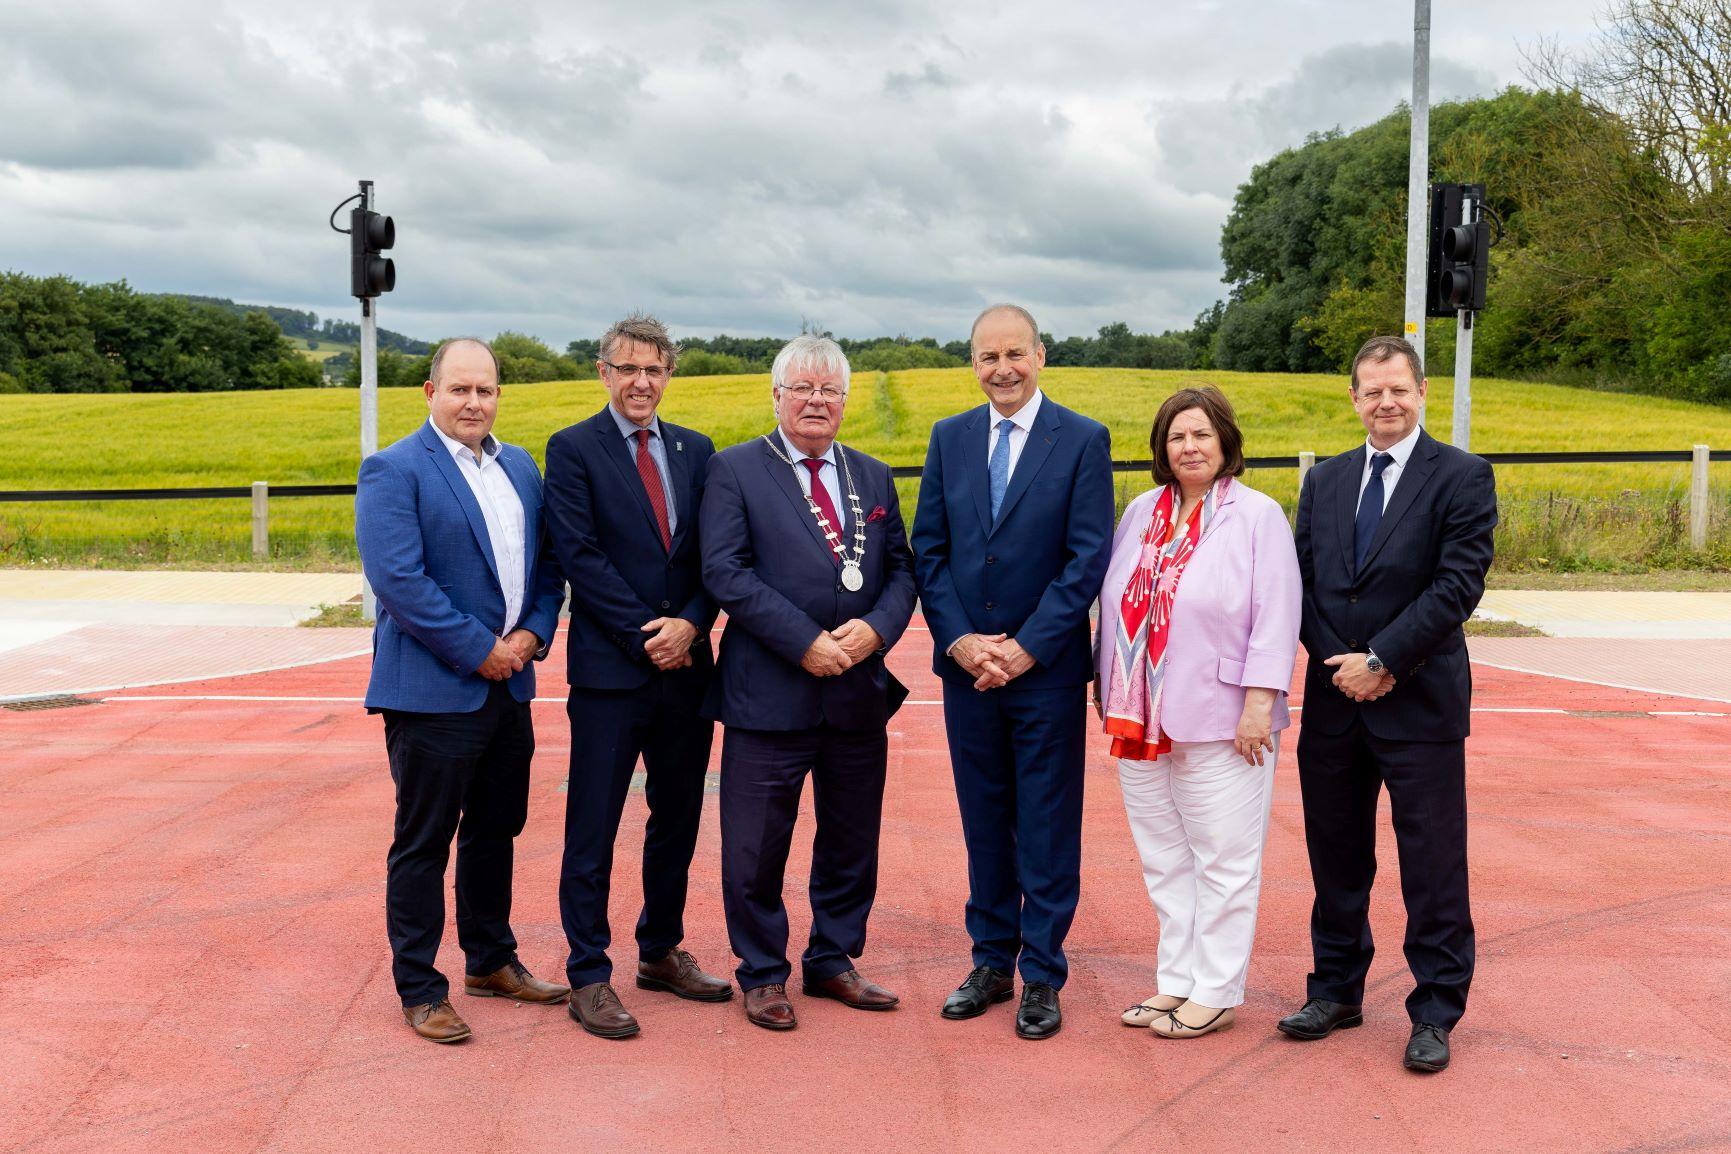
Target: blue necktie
[1369,511]
[998,468]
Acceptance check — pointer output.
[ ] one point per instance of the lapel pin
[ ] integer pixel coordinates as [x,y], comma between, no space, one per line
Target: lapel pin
[679,446]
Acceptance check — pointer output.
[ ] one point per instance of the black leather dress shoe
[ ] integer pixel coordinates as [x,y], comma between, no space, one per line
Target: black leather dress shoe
[1038,1016]
[1319,1019]
[1428,1050]
[984,987]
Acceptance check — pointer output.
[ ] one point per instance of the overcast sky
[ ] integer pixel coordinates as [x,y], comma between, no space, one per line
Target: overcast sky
[875,167]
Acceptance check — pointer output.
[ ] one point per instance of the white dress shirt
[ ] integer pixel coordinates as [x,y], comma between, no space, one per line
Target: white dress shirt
[503,511]
[1401,451]
[1024,422]
[829,475]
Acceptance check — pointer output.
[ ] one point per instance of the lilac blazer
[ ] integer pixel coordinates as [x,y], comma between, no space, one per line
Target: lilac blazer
[1234,623]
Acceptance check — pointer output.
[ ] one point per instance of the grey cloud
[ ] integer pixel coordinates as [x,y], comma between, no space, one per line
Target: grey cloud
[1210,145]
[729,169]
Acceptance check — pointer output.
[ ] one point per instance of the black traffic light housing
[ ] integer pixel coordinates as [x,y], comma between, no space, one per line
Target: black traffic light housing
[1460,247]
[371,273]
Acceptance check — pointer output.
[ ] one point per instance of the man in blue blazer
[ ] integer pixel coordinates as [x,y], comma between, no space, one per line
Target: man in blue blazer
[448,521]
[1011,541]
[623,492]
[803,546]
[1394,540]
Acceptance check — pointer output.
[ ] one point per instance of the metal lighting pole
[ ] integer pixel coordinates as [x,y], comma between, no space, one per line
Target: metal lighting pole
[1417,178]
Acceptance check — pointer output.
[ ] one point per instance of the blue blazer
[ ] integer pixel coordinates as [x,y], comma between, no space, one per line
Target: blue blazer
[604,534]
[1033,573]
[767,563]
[1421,580]
[426,552]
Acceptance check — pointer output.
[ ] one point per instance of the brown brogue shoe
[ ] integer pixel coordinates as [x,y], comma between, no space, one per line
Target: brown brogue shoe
[767,1006]
[679,973]
[850,989]
[597,1009]
[513,981]
[437,1023]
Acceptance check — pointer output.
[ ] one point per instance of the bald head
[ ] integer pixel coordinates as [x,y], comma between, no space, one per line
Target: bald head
[467,349]
[1002,311]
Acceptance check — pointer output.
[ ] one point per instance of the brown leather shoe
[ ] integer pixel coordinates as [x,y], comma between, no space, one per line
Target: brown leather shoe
[679,973]
[513,981]
[850,989]
[596,1008]
[437,1023]
[767,1006]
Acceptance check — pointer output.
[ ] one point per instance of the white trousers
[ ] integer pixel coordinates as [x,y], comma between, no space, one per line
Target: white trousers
[1199,816]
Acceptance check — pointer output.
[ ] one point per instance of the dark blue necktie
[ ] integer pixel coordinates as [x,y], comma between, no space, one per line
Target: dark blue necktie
[1369,511]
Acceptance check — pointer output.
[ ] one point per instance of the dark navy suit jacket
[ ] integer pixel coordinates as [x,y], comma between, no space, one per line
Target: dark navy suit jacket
[604,533]
[426,552]
[767,563]
[1032,574]
[1421,580]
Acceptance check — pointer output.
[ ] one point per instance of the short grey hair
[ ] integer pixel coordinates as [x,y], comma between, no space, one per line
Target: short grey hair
[644,329]
[1379,349]
[1004,307]
[809,351]
[447,346]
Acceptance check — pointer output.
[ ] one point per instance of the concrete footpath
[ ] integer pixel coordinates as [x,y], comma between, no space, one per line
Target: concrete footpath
[78,631]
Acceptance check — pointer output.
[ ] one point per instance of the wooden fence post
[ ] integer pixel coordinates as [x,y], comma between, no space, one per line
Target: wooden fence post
[1698,500]
[260,521]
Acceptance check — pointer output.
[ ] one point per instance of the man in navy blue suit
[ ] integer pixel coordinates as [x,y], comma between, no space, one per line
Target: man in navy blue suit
[1394,540]
[623,492]
[448,521]
[803,546]
[1011,540]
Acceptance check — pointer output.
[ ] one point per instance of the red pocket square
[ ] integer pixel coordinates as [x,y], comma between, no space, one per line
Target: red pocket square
[877,514]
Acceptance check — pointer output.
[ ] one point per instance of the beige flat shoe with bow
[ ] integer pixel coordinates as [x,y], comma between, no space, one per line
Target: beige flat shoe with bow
[1172,1026]
[1144,1013]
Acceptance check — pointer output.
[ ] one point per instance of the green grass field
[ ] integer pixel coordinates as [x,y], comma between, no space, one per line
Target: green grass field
[323,353]
[1615,517]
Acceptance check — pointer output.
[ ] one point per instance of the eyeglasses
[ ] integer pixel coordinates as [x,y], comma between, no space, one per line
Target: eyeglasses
[655,374]
[805,392]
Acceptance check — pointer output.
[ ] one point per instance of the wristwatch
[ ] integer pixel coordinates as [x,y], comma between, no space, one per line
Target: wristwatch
[1374,663]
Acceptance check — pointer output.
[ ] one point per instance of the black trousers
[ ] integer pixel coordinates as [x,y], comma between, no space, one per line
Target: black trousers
[1340,777]
[610,729]
[464,775]
[762,775]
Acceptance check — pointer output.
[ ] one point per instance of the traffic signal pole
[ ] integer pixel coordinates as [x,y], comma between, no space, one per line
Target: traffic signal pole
[1417,182]
[1461,431]
[369,399]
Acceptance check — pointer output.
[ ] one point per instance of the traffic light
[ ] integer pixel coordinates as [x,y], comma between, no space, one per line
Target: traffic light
[1460,250]
[371,273]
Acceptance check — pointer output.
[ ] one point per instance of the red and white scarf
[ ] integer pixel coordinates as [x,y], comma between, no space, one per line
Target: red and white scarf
[1138,672]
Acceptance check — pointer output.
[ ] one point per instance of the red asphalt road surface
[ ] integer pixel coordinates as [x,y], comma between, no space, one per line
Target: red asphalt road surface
[191,907]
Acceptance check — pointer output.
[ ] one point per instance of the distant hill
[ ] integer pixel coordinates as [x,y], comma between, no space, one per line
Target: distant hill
[306,325]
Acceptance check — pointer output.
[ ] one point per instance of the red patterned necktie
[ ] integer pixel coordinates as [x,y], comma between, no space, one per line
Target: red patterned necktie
[821,496]
[652,484]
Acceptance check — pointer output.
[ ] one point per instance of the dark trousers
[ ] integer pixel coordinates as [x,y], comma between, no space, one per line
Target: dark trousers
[464,775]
[610,730]
[1340,776]
[762,774]
[1018,759]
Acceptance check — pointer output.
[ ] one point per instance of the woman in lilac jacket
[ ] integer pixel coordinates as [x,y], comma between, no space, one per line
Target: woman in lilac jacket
[1198,634]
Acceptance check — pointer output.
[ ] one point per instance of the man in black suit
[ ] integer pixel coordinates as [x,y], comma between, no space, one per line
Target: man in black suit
[803,546]
[1393,542]
[623,495]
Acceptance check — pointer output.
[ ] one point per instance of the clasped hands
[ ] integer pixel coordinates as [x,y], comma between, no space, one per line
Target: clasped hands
[1352,676]
[510,653]
[840,649]
[670,648]
[994,659]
